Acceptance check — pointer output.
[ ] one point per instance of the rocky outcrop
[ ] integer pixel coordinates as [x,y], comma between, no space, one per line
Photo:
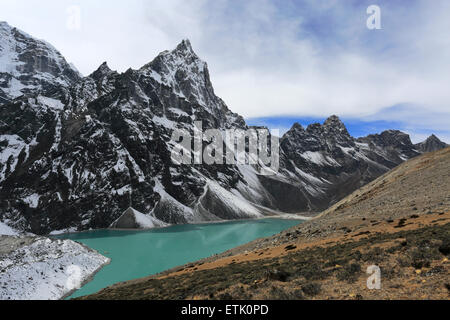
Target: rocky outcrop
[132,219]
[327,164]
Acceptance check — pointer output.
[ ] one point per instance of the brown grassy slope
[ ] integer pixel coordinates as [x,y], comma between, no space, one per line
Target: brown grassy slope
[401,222]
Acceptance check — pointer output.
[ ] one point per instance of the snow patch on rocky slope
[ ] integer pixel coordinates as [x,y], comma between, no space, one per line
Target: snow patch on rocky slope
[7,231]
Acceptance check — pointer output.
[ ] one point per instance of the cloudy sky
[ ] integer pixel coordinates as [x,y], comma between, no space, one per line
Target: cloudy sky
[274,62]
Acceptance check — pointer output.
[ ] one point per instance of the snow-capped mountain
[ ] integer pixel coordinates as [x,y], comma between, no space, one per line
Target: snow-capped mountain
[325,163]
[77,152]
[431,144]
[28,65]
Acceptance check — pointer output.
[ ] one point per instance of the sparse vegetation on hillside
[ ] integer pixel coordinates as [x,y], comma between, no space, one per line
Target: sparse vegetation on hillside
[319,272]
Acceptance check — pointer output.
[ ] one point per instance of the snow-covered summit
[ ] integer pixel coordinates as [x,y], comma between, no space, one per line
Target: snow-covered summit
[188,75]
[185,47]
[102,71]
[335,125]
[29,65]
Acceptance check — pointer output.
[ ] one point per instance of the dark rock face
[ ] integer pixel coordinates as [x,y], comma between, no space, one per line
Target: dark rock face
[431,144]
[77,152]
[327,164]
[29,65]
[395,142]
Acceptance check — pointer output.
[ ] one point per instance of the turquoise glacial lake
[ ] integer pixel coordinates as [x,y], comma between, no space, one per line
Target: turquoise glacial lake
[137,254]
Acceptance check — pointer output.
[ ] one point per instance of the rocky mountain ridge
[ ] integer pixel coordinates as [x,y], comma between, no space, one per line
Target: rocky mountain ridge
[28,65]
[76,152]
[431,144]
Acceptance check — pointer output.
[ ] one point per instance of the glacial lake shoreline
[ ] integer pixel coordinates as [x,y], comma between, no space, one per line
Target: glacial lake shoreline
[287,216]
[137,254]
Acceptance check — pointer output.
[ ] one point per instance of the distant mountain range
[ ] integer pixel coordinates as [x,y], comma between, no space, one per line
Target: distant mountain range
[77,152]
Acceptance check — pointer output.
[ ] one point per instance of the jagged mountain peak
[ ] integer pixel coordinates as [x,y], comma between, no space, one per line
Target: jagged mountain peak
[102,71]
[332,126]
[104,67]
[187,74]
[335,125]
[433,137]
[397,134]
[392,139]
[297,127]
[294,133]
[431,144]
[390,135]
[185,47]
[183,54]
[6,30]
[5,27]
[333,121]
[29,65]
